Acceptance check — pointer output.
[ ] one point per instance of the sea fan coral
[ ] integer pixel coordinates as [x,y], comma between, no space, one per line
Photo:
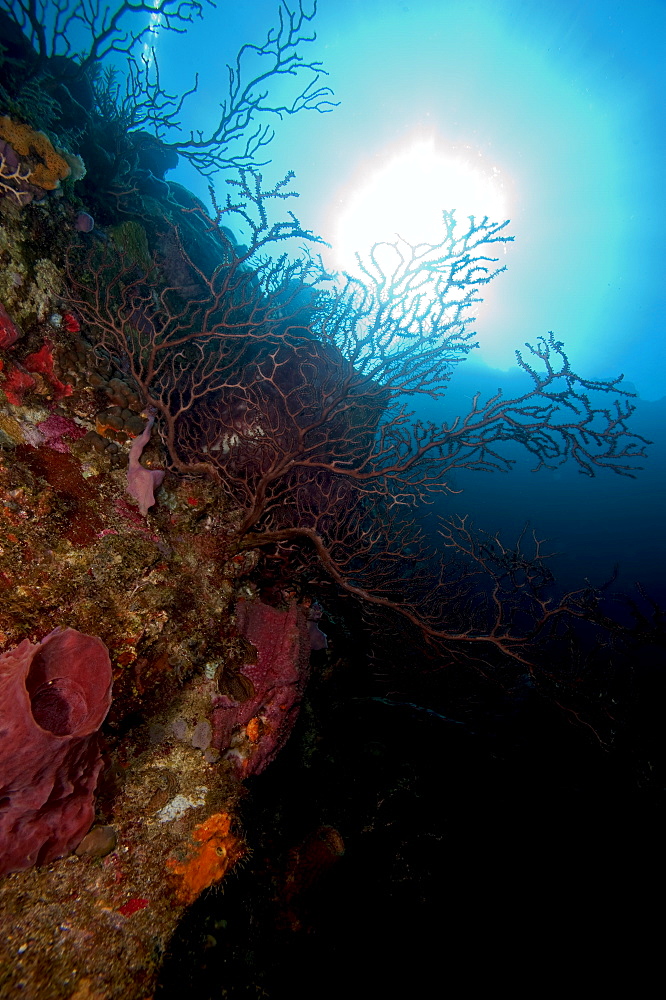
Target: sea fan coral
[54,695]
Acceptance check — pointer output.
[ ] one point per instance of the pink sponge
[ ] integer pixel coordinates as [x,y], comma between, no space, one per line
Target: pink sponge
[54,695]
[278,678]
[141,482]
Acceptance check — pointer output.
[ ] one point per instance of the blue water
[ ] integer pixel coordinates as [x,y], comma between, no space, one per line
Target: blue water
[566,100]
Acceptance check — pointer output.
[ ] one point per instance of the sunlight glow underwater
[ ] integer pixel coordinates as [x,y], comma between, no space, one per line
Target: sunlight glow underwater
[402,202]
[560,96]
[155,21]
[406,197]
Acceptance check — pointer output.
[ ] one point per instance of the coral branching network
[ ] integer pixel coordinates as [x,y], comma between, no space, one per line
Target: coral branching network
[289,388]
[208,442]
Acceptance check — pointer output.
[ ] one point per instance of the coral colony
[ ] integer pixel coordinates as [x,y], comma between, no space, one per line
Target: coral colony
[197,439]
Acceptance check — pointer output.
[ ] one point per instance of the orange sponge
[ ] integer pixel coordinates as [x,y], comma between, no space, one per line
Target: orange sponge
[218,851]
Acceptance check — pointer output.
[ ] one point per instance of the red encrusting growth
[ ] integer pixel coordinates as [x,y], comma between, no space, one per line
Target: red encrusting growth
[9,332]
[16,384]
[71,323]
[133,906]
[56,428]
[42,362]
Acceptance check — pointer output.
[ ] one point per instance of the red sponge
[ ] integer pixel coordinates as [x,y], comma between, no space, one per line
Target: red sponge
[54,695]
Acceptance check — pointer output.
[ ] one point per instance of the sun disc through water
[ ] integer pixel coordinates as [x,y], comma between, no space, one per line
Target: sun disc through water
[407,195]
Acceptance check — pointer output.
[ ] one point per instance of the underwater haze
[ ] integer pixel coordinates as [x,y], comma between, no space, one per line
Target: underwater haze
[555,112]
[562,103]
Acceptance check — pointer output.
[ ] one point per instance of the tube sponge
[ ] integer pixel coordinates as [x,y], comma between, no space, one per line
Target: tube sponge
[257,728]
[141,482]
[54,695]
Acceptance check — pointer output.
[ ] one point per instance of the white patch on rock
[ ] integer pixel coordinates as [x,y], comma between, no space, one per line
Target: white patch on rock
[179,805]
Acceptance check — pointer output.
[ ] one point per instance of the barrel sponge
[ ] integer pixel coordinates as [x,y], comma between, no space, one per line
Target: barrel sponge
[54,695]
[48,167]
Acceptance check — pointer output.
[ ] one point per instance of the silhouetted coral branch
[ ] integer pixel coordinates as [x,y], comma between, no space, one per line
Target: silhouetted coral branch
[100,29]
[73,42]
[241,132]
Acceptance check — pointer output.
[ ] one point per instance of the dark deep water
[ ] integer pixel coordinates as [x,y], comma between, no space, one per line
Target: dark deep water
[496,837]
[592,523]
[472,852]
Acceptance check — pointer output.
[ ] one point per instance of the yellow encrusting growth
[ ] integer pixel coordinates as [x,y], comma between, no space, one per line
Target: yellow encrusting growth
[47,167]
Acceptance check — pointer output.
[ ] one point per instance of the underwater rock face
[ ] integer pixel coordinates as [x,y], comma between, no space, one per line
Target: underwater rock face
[54,695]
[9,332]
